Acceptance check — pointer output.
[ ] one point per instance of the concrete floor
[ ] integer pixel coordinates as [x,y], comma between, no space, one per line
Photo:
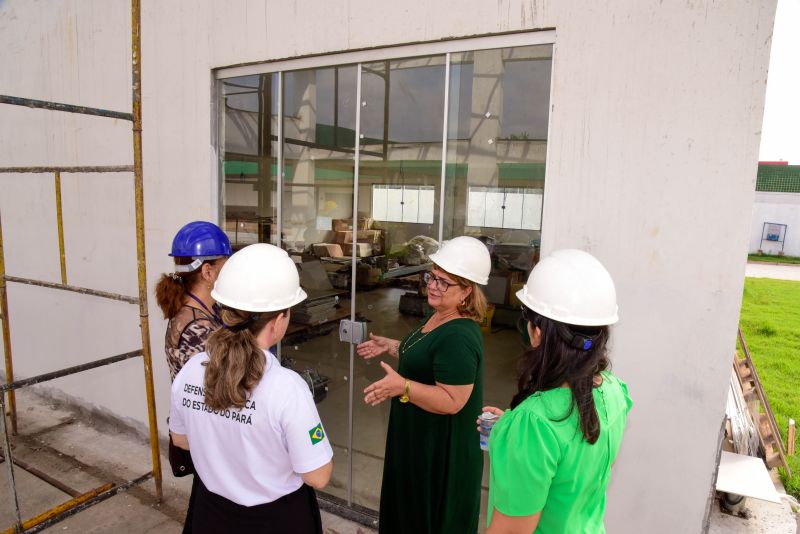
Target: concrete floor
[757,517]
[772,270]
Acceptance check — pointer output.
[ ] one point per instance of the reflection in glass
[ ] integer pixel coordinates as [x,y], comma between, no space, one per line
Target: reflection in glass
[498,106]
[318,152]
[497,141]
[250,159]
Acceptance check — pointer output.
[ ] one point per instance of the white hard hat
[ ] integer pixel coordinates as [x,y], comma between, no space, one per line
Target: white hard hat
[466,257]
[259,278]
[573,287]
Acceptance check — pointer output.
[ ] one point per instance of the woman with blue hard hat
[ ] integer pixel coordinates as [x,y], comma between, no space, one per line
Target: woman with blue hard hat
[551,453]
[199,250]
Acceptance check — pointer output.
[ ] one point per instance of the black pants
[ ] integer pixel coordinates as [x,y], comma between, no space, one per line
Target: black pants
[295,513]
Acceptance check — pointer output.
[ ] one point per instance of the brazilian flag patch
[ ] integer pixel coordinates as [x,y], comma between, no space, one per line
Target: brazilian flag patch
[316,434]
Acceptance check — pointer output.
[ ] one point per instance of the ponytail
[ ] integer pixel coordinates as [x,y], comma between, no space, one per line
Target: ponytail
[236,362]
[170,294]
[171,288]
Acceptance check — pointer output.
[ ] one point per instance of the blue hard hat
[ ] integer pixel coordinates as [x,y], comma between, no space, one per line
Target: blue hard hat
[201,239]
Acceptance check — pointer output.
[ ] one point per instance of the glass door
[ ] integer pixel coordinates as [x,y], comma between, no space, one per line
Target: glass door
[399,184]
[318,151]
[358,171]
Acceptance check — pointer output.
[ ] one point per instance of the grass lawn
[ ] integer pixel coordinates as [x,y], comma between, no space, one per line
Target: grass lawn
[770,322]
[773,258]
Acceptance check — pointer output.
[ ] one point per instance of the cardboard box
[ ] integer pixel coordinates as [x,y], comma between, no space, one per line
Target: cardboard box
[362,249]
[368,276]
[343,225]
[329,250]
[373,237]
[343,236]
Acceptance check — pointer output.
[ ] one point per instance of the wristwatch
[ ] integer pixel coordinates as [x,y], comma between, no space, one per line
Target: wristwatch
[404,397]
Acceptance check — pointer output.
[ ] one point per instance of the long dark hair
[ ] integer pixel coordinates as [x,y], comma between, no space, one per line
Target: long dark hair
[555,362]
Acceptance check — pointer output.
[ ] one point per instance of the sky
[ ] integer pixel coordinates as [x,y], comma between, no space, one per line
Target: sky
[780,134]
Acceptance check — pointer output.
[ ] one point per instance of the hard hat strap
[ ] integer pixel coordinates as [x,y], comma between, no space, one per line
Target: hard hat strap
[196,263]
[576,340]
[245,324]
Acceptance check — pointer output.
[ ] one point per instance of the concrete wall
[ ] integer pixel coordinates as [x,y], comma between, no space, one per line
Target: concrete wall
[656,115]
[781,208]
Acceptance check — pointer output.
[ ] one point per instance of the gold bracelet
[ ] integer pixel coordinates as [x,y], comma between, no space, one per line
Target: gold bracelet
[404,397]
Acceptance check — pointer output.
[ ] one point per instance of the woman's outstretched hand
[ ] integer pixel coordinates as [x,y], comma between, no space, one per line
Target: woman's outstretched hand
[391,385]
[491,409]
[376,346]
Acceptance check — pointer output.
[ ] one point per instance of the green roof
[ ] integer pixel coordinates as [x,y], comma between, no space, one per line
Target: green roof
[778,178]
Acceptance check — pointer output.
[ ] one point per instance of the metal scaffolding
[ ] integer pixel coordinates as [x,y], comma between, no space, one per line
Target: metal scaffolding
[82,501]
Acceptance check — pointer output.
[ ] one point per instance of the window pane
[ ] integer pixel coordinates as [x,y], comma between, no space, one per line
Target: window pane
[512,212]
[494,209]
[427,198]
[394,204]
[532,210]
[476,210]
[249,159]
[410,204]
[379,203]
[499,104]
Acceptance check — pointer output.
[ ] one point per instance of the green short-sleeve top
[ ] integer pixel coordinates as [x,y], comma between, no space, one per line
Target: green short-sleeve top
[540,461]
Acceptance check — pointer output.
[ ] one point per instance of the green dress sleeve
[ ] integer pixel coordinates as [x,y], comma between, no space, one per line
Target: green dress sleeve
[457,356]
[524,454]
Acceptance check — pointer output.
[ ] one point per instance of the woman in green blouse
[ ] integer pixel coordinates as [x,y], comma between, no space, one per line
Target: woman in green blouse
[433,463]
[551,454]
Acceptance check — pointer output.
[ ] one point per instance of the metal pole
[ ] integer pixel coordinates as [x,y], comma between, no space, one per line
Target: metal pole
[75,289]
[144,321]
[279,183]
[58,106]
[84,168]
[12,399]
[63,507]
[10,463]
[445,118]
[351,378]
[60,221]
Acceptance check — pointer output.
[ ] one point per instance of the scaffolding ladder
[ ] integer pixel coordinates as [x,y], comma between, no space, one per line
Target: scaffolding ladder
[7,390]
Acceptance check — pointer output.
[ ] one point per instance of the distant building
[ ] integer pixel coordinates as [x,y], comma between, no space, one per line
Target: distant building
[776,210]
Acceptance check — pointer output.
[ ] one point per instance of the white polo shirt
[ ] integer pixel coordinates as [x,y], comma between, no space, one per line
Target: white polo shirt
[253,455]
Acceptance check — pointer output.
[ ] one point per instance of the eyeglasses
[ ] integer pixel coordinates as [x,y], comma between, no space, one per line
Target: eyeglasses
[439,283]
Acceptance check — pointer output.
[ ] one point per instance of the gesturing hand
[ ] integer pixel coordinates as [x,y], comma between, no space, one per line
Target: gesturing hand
[376,346]
[387,387]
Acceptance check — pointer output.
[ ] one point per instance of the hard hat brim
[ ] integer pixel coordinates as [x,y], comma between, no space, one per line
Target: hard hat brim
[297,298]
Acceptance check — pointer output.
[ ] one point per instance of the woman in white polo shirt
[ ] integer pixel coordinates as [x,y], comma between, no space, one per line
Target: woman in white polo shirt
[255,436]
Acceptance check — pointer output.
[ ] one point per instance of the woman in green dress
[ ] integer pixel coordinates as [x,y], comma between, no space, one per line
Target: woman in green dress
[433,463]
[551,453]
